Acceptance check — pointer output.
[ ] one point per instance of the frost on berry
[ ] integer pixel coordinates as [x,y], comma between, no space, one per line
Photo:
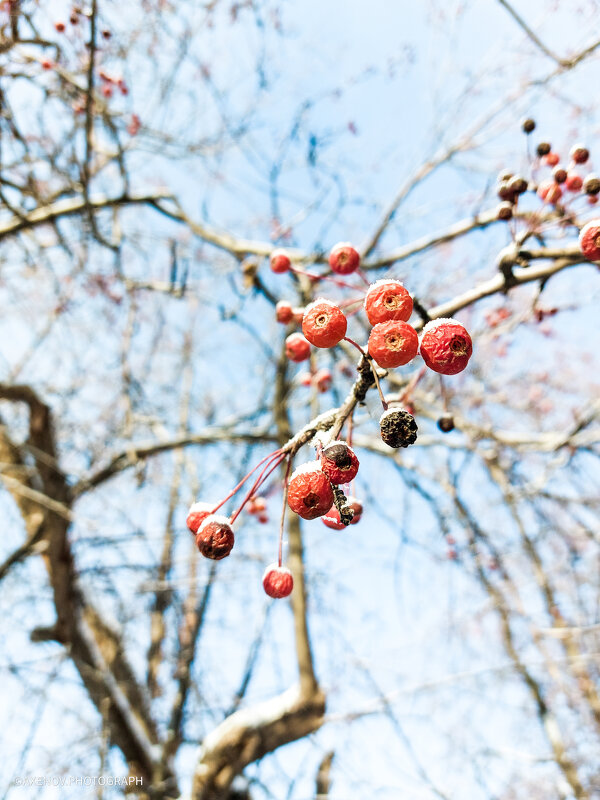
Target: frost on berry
[393,343]
[387,299]
[310,494]
[344,258]
[324,324]
[197,514]
[339,462]
[297,348]
[280,261]
[215,537]
[589,240]
[398,428]
[277,581]
[446,346]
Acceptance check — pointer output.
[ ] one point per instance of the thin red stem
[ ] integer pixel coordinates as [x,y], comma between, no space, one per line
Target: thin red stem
[244,479]
[271,466]
[337,281]
[281,524]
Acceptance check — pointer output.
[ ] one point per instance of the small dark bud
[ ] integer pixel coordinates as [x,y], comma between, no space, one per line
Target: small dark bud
[518,185]
[543,149]
[591,184]
[528,125]
[398,428]
[505,192]
[446,423]
[505,176]
[559,174]
[505,211]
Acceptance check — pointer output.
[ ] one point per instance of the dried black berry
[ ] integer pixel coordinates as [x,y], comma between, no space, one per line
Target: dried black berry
[505,192]
[504,211]
[339,454]
[446,423]
[591,184]
[559,174]
[528,125]
[398,428]
[543,149]
[518,185]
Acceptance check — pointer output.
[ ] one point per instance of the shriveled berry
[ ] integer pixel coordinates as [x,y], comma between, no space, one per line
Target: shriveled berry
[559,174]
[309,491]
[504,211]
[277,581]
[297,348]
[280,261]
[543,149]
[332,518]
[215,537]
[387,299]
[344,259]
[550,192]
[339,462]
[322,380]
[528,125]
[504,192]
[579,153]
[589,240]
[591,184]
[392,344]
[551,159]
[446,346]
[398,428]
[284,312]
[324,324]
[574,182]
[518,185]
[197,514]
[446,423]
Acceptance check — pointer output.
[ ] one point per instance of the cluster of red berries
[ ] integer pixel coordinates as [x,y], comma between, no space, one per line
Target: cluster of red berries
[564,177]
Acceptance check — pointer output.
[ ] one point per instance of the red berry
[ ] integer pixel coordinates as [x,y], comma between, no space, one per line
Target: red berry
[305,379]
[107,90]
[393,343]
[215,537]
[263,518]
[574,182]
[257,505]
[550,191]
[197,514]
[559,174]
[60,27]
[323,380]
[309,492]
[551,159]
[446,346]
[332,518]
[278,581]
[296,347]
[284,312]
[589,240]
[579,154]
[344,259]
[592,199]
[46,64]
[387,299]
[324,324]
[280,261]
[339,462]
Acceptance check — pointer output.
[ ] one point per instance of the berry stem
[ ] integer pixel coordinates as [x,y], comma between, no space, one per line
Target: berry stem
[244,479]
[270,466]
[444,394]
[314,277]
[281,524]
[376,376]
[358,347]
